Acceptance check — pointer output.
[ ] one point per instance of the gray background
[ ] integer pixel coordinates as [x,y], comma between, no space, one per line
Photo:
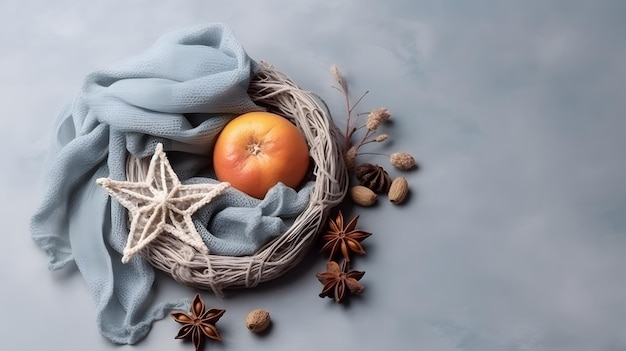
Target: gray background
[513,238]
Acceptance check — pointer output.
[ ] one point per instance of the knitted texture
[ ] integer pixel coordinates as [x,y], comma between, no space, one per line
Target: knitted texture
[180,92]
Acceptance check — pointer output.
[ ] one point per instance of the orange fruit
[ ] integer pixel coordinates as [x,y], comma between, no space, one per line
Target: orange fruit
[257,150]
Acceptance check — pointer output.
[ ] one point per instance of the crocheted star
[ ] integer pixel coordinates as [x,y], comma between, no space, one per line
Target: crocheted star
[161,204]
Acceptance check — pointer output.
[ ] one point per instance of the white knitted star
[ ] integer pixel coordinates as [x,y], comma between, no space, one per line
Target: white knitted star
[161,204]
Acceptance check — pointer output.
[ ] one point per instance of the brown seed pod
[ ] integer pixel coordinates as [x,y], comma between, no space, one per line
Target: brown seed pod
[402,160]
[362,196]
[373,177]
[398,190]
[258,320]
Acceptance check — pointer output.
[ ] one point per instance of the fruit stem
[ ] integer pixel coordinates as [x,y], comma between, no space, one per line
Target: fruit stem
[254,149]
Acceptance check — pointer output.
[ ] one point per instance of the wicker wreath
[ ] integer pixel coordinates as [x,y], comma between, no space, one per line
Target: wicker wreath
[276,91]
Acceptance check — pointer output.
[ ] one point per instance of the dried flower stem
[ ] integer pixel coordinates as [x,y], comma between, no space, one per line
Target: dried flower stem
[351,124]
[371,140]
[401,160]
[343,89]
[375,119]
[364,139]
[373,153]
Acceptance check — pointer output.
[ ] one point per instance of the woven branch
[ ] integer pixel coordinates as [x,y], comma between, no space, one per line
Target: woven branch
[277,92]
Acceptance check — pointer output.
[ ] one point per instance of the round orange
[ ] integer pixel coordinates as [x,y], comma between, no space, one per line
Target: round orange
[257,150]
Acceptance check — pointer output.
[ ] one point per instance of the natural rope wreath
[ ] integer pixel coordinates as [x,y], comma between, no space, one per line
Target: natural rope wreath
[277,92]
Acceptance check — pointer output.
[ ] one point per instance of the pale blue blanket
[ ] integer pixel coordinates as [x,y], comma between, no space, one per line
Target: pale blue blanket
[180,92]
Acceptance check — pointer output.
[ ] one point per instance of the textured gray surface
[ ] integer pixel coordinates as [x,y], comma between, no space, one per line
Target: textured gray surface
[513,237]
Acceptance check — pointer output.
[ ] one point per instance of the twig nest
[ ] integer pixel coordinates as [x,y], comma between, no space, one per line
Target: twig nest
[279,94]
[258,320]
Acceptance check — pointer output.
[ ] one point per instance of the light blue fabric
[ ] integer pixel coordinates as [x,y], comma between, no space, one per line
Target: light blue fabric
[180,92]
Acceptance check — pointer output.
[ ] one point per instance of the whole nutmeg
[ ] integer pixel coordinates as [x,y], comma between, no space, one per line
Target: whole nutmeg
[258,320]
[362,196]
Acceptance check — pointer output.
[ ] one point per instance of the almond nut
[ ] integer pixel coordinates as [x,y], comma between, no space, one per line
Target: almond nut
[398,190]
[362,195]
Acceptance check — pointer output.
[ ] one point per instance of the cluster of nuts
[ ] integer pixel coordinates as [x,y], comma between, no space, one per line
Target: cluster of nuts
[364,196]
[372,178]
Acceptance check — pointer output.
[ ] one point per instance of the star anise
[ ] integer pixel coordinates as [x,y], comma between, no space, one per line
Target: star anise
[343,240]
[338,281]
[199,322]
